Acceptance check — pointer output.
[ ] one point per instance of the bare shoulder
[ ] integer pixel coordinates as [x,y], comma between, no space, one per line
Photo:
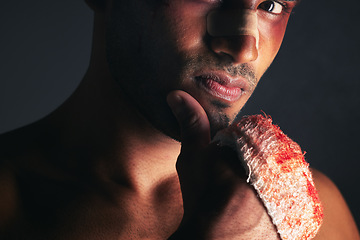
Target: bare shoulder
[338,221]
[9,200]
[13,145]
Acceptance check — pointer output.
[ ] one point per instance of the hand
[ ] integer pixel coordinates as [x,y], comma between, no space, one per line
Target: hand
[218,203]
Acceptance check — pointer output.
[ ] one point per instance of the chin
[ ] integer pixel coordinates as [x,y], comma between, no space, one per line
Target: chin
[218,122]
[166,123]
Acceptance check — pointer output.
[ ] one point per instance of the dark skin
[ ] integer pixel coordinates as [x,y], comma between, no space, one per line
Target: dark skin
[103,166]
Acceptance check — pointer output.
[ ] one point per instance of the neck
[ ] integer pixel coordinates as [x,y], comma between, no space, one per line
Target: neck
[98,128]
[96,147]
[97,122]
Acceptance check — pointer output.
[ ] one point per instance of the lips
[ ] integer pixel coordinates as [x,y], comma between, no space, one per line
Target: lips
[221,86]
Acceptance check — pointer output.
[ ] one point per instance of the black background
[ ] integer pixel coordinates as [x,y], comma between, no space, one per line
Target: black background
[311,90]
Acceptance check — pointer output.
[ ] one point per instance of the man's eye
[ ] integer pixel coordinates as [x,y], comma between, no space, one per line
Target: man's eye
[272,7]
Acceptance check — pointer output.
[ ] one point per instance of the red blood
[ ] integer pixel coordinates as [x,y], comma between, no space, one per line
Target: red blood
[267,150]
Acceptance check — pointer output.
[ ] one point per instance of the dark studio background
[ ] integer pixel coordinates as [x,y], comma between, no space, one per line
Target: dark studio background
[311,90]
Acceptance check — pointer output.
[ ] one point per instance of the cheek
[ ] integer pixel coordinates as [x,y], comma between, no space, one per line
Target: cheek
[186,21]
[271,36]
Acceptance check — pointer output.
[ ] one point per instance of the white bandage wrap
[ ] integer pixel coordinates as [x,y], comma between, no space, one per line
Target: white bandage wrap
[233,22]
[279,173]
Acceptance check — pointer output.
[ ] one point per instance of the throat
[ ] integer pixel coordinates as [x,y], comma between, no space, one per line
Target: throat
[155,214]
[84,213]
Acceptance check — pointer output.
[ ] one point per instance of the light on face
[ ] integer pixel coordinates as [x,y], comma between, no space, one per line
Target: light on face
[233,22]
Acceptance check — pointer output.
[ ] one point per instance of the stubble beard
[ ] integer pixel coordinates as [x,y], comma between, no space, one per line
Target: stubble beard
[145,85]
[150,103]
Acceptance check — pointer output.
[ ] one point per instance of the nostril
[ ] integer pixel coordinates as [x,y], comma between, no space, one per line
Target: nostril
[242,49]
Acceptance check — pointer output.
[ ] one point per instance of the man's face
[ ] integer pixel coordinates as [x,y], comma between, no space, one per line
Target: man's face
[155,46]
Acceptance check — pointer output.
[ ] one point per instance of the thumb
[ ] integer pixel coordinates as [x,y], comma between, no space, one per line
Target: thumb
[192,118]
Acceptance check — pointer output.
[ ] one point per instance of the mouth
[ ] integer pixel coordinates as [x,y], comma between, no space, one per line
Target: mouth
[221,86]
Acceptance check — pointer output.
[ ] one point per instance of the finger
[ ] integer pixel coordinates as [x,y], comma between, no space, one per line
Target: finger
[192,118]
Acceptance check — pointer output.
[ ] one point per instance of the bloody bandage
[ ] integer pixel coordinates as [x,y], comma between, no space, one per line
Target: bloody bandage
[233,22]
[279,173]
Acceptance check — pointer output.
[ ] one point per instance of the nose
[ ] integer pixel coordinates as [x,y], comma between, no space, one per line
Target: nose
[234,33]
[241,49]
